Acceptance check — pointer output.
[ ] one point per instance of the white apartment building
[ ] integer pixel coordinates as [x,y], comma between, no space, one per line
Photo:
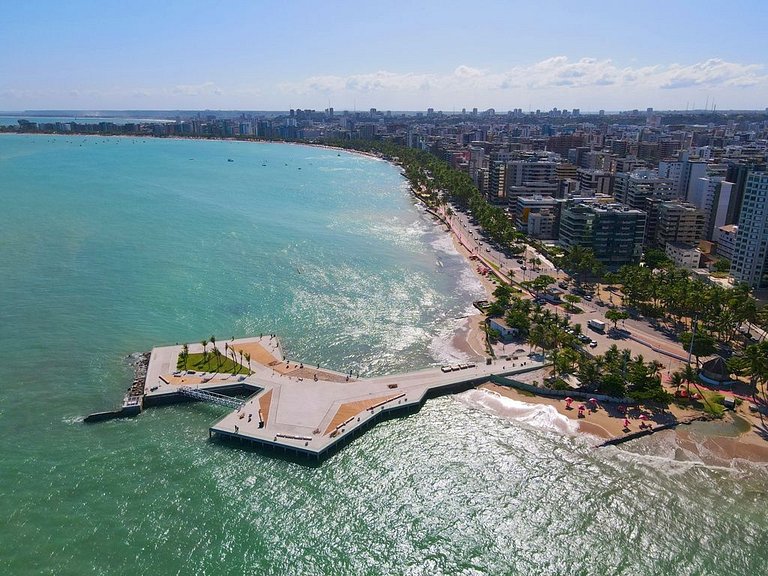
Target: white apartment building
[726,241]
[749,259]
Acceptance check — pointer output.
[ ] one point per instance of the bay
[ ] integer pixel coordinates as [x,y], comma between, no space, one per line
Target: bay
[110,246]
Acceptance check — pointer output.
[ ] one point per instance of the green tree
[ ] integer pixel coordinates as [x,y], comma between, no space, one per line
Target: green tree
[542,282]
[184,356]
[703,344]
[613,385]
[722,266]
[581,262]
[655,258]
[615,315]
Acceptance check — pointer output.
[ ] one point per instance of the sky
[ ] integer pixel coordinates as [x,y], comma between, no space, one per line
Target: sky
[389,55]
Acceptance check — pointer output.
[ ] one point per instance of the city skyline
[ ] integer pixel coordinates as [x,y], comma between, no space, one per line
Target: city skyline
[272,56]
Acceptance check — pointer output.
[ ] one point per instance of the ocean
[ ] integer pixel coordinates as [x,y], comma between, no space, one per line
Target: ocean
[109,246]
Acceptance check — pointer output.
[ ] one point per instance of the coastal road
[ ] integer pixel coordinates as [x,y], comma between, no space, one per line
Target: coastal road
[519,267]
[643,339]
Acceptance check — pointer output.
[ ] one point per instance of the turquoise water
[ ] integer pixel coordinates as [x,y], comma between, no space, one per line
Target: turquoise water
[14,120]
[111,246]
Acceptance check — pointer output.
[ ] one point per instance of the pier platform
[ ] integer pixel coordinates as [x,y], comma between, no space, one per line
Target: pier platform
[305,409]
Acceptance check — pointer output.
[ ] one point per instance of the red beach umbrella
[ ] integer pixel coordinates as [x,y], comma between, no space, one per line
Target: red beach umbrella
[569,400]
[626,423]
[593,400]
[643,417]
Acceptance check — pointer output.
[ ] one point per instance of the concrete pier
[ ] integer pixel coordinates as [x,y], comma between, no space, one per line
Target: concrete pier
[304,409]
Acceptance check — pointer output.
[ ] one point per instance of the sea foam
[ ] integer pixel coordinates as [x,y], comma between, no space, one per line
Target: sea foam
[539,416]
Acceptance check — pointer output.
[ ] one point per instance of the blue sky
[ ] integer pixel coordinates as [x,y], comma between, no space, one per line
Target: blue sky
[391,55]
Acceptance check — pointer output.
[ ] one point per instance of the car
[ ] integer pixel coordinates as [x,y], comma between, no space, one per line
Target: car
[487,249]
[593,344]
[523,267]
[587,297]
[585,339]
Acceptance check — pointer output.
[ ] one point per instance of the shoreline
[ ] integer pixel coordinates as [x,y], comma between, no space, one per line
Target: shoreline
[469,339]
[713,442]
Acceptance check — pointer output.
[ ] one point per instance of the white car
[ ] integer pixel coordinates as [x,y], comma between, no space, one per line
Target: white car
[593,344]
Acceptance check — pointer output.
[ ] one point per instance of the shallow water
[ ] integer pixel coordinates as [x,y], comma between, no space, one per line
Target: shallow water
[111,246]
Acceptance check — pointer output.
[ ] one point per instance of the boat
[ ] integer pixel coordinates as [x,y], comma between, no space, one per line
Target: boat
[230,160]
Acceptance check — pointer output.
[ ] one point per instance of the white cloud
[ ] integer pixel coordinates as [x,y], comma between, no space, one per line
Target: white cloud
[588,83]
[557,74]
[712,72]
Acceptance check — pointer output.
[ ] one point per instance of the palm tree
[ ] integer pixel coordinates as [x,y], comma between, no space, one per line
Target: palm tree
[690,376]
[205,352]
[184,354]
[248,360]
[536,337]
[235,365]
[676,380]
[217,354]
[756,360]
[213,340]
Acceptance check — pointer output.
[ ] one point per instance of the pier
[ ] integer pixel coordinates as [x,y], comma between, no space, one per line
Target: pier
[304,409]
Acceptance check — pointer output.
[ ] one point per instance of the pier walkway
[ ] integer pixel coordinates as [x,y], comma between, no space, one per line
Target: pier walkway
[306,409]
[211,397]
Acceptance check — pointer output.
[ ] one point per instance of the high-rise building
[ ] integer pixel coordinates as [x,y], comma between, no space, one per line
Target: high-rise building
[614,232]
[497,181]
[684,174]
[637,188]
[737,173]
[749,257]
[538,216]
[712,196]
[679,223]
[726,241]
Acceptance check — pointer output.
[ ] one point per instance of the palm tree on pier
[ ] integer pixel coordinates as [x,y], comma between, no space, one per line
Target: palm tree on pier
[235,365]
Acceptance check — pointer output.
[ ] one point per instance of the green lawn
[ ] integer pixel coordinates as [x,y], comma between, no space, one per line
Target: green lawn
[197,362]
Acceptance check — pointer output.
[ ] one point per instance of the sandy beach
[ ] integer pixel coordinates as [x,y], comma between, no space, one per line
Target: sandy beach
[739,435]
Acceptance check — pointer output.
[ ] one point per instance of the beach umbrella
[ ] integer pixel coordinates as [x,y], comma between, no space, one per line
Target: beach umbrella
[593,400]
[643,417]
[582,408]
[569,401]
[626,423]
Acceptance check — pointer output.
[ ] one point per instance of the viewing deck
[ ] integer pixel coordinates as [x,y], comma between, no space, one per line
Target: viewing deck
[306,409]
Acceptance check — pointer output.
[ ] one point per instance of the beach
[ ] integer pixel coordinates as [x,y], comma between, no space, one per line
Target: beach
[716,443]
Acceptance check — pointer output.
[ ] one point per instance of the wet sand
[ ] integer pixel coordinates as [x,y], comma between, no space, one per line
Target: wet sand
[713,442]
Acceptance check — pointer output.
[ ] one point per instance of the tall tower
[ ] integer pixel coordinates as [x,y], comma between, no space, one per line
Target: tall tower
[749,255]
